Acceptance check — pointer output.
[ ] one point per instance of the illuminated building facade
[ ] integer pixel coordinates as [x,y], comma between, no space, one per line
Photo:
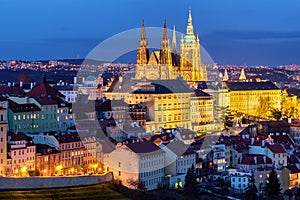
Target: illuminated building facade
[3,136]
[21,154]
[202,111]
[254,98]
[168,101]
[167,64]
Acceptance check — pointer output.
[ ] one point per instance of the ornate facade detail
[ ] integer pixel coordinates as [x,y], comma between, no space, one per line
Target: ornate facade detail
[167,64]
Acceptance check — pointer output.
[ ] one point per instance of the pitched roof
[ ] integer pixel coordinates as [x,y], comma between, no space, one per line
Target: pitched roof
[45,90]
[254,160]
[144,148]
[150,86]
[16,108]
[108,104]
[11,90]
[233,86]
[18,136]
[199,92]
[45,149]
[179,148]
[276,148]
[68,137]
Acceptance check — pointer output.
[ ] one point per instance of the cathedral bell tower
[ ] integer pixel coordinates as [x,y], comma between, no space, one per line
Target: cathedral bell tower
[143,49]
[165,51]
[191,67]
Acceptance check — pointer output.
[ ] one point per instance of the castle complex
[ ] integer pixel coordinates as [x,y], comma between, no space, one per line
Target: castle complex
[167,63]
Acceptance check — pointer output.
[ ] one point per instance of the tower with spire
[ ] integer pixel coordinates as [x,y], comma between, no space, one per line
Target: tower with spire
[165,51]
[191,67]
[143,49]
[225,77]
[242,75]
[167,63]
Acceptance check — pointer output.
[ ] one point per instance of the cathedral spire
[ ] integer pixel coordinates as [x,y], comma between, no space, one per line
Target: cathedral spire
[243,75]
[143,40]
[174,45]
[190,28]
[165,44]
[143,49]
[165,53]
[190,18]
[225,77]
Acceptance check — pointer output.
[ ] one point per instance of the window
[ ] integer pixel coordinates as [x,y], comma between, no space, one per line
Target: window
[119,173]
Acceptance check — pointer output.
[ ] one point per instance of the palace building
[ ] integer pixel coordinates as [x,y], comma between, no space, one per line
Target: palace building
[163,81]
[169,64]
[254,98]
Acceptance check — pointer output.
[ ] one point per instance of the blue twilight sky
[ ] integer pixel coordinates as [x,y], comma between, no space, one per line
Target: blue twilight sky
[265,32]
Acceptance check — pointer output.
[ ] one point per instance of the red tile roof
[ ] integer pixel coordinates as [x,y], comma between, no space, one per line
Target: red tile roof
[250,160]
[144,148]
[46,100]
[11,90]
[17,136]
[68,137]
[17,108]
[276,148]
[44,90]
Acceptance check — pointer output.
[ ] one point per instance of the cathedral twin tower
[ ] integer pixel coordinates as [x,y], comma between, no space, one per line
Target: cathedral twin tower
[168,64]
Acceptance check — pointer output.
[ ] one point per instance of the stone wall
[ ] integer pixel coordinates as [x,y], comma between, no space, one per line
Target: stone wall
[52,182]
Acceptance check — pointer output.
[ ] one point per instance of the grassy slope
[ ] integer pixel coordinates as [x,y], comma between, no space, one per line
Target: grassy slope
[89,192]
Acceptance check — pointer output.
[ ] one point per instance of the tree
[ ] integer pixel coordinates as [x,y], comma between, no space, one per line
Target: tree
[289,105]
[275,114]
[190,180]
[264,107]
[251,192]
[225,116]
[137,185]
[273,189]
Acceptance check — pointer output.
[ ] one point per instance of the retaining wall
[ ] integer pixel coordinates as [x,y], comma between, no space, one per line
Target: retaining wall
[52,182]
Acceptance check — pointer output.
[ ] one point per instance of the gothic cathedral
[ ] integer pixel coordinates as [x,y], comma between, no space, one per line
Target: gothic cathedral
[168,64]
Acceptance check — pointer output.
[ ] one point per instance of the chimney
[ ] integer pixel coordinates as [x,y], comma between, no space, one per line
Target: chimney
[120,79]
[263,143]
[31,86]
[265,159]
[252,141]
[21,83]
[289,120]
[9,84]
[83,79]
[75,80]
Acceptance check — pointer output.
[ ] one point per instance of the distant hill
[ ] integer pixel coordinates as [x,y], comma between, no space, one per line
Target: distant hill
[76,61]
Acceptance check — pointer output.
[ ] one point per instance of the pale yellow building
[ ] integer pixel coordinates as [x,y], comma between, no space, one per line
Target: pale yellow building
[254,98]
[168,101]
[202,111]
